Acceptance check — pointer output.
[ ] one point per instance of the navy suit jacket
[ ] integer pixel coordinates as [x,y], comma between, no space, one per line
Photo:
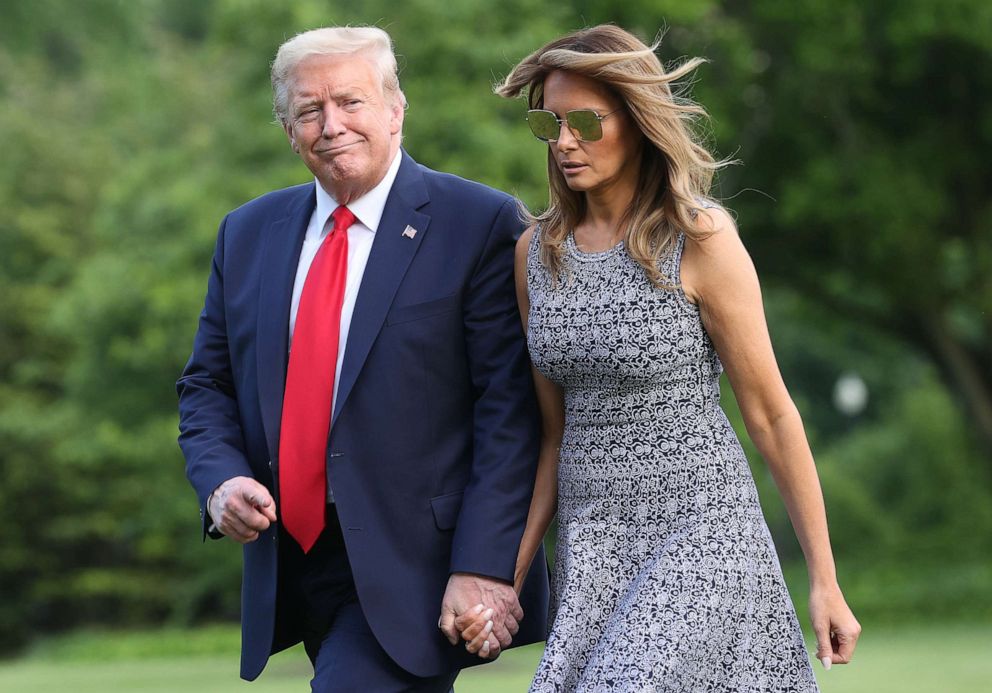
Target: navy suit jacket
[433,446]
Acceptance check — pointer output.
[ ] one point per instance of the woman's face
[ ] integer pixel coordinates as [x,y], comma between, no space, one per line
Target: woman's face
[608,164]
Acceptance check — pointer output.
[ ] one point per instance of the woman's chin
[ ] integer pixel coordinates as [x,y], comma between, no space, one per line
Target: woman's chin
[576,185]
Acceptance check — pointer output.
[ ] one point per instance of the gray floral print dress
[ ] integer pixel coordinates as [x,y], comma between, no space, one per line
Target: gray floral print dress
[665,575]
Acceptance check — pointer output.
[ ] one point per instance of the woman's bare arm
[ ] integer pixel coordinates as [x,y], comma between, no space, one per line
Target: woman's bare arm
[719,277]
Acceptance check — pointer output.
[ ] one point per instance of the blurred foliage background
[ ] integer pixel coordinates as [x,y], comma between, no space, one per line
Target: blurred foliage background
[128,128]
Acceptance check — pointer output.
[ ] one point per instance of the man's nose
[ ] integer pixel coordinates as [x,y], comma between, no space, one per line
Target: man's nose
[333,122]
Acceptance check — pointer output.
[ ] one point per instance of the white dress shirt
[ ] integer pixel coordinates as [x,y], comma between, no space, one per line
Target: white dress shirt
[368,212]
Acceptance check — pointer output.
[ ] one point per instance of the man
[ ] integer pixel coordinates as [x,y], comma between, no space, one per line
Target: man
[358,410]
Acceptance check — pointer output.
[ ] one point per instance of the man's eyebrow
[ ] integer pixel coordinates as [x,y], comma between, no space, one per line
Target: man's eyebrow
[350,90]
[307,99]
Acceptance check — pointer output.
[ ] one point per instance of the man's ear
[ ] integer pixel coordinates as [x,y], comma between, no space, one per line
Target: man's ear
[396,113]
[288,129]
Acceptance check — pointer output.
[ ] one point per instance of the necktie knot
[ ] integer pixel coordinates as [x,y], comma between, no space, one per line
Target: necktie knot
[343,219]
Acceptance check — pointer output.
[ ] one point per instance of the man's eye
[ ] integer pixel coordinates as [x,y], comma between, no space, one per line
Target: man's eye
[352,104]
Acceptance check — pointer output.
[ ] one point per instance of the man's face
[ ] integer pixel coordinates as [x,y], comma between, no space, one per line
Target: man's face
[341,124]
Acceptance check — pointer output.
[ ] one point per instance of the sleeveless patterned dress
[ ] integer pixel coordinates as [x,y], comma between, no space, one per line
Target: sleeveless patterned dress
[665,575]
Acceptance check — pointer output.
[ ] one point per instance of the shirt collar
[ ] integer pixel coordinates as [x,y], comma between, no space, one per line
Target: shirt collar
[369,207]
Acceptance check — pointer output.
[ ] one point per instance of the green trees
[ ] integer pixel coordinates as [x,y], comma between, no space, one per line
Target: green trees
[872,134]
[128,129]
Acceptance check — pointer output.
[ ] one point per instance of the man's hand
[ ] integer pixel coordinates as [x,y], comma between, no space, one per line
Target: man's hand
[241,508]
[470,598]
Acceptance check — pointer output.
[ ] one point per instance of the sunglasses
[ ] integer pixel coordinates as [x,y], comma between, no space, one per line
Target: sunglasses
[586,125]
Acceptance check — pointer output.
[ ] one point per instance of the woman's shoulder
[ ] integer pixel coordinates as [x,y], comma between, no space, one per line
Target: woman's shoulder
[713,229]
[528,235]
[712,218]
[713,252]
[528,240]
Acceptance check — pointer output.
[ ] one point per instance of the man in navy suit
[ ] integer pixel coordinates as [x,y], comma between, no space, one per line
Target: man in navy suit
[358,410]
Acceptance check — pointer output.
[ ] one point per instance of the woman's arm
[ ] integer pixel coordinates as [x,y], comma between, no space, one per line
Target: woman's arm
[719,277]
[544,503]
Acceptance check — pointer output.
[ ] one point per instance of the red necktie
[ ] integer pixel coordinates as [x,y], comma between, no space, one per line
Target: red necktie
[308,402]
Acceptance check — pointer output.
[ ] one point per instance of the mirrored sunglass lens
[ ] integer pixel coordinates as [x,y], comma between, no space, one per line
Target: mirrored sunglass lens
[585,124]
[543,124]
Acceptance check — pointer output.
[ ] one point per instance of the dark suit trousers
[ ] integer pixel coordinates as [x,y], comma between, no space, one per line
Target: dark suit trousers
[317,599]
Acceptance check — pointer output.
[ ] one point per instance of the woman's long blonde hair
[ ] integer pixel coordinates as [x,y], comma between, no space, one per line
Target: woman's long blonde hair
[676,169]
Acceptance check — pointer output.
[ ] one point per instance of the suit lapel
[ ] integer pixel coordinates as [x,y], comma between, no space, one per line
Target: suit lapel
[280,258]
[391,253]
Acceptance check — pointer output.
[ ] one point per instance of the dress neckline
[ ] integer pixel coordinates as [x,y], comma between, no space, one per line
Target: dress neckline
[576,252]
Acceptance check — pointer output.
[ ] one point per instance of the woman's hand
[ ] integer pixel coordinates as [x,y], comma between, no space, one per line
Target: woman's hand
[476,634]
[836,629]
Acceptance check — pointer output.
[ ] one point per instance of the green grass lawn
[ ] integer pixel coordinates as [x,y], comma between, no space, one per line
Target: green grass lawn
[944,659]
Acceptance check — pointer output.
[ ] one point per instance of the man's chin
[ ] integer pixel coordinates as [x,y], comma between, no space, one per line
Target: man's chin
[345,183]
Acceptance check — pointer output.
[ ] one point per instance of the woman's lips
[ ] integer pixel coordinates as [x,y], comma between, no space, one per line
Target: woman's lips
[572,167]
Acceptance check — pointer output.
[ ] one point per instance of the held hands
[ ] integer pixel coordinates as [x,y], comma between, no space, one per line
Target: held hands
[241,508]
[836,629]
[482,611]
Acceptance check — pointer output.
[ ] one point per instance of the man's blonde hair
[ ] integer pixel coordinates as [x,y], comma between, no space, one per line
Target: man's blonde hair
[368,41]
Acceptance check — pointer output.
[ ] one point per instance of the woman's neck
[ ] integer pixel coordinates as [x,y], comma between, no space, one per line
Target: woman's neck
[605,211]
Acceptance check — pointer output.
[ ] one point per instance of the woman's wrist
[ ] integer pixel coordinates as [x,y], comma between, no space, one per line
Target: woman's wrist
[519,575]
[823,582]
[822,576]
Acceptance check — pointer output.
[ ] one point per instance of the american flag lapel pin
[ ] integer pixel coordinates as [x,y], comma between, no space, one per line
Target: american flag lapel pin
[409,232]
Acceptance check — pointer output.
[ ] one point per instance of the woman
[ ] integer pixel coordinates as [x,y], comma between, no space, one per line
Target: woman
[636,293]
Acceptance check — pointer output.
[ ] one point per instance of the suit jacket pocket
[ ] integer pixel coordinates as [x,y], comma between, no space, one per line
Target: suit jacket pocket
[419,311]
[446,509]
